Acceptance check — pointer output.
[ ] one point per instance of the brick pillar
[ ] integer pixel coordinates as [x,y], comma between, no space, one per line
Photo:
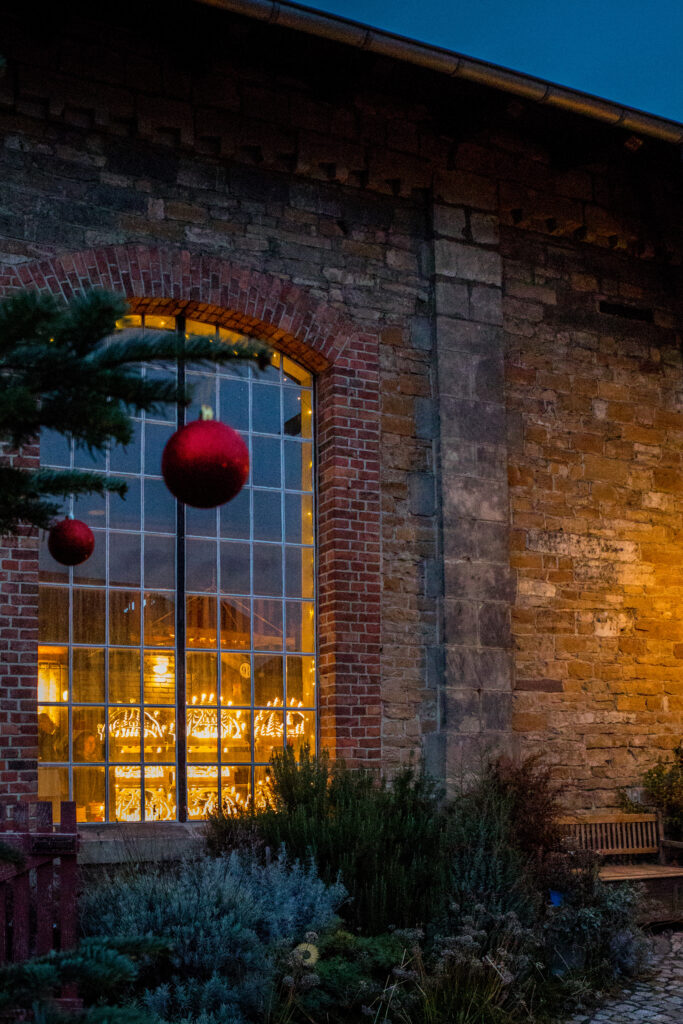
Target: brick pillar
[478,588]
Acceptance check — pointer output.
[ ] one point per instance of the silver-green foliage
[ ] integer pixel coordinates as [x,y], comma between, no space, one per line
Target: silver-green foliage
[227,919]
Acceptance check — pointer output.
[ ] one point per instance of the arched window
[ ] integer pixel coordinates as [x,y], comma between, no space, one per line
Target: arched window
[182,653]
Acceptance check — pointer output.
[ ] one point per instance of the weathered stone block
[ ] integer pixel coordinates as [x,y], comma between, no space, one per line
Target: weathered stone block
[478,668]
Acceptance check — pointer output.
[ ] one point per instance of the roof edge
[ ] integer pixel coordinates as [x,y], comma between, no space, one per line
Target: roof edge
[455,65]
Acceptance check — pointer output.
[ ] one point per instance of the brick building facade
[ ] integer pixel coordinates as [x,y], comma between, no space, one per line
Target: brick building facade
[486,288]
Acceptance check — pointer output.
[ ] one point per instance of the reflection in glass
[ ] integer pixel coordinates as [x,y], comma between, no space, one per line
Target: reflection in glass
[265,462]
[85,458]
[235,788]
[159,562]
[53,674]
[159,734]
[53,614]
[127,460]
[124,677]
[202,678]
[296,374]
[267,625]
[299,518]
[235,734]
[235,623]
[124,513]
[300,626]
[160,507]
[268,732]
[88,729]
[156,436]
[160,619]
[201,621]
[53,733]
[158,677]
[53,786]
[55,449]
[267,515]
[93,571]
[301,729]
[235,679]
[235,403]
[235,516]
[88,675]
[268,680]
[201,522]
[124,559]
[202,387]
[300,682]
[202,734]
[265,409]
[92,509]
[50,571]
[89,794]
[124,617]
[160,793]
[88,616]
[201,565]
[267,568]
[202,791]
[235,573]
[124,793]
[298,466]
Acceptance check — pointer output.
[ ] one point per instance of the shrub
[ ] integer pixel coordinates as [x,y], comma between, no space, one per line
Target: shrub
[226,919]
[664,787]
[534,803]
[387,843]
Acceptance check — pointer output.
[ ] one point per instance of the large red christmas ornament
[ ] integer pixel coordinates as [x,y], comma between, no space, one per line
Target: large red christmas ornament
[70,542]
[205,463]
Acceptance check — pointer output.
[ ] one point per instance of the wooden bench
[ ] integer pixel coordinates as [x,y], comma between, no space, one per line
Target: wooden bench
[613,834]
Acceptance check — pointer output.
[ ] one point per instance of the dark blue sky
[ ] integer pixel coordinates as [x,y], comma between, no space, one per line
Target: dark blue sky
[628,51]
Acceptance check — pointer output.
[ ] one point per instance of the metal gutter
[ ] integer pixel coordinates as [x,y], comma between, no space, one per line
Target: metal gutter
[436,58]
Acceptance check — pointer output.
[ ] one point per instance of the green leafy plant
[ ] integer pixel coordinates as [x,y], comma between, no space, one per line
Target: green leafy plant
[663,785]
[386,842]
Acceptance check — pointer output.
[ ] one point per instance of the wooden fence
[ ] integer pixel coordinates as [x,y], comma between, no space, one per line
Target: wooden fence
[38,910]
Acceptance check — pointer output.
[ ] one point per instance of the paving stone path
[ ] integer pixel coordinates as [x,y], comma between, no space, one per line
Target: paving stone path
[659,1000]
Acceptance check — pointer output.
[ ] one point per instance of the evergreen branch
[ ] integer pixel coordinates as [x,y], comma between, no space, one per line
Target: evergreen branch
[162,346]
[74,481]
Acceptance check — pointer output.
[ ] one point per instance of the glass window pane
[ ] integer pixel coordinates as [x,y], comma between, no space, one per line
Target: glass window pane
[124,559]
[124,734]
[202,792]
[265,408]
[301,729]
[202,679]
[235,568]
[124,513]
[235,734]
[300,682]
[124,617]
[267,569]
[235,788]
[50,571]
[88,675]
[124,677]
[202,735]
[156,437]
[88,616]
[202,387]
[298,466]
[158,682]
[159,619]
[159,562]
[201,621]
[159,734]
[299,518]
[201,522]
[201,568]
[55,449]
[89,794]
[88,730]
[307,572]
[300,626]
[235,623]
[267,625]
[265,462]
[160,793]
[235,680]
[267,515]
[299,572]
[93,570]
[84,459]
[159,323]
[53,614]
[53,733]
[235,516]
[160,507]
[234,403]
[293,411]
[53,786]
[268,733]
[92,509]
[125,802]
[127,460]
[53,674]
[268,681]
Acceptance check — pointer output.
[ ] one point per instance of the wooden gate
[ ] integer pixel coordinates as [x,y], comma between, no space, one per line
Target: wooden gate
[38,910]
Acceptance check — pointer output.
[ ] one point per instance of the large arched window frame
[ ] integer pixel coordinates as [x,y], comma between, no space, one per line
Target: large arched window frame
[183,652]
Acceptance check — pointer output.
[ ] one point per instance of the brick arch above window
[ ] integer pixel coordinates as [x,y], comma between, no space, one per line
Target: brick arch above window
[345,360]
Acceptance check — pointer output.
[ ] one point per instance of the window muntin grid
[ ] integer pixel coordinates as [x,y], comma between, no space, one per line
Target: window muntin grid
[111,719]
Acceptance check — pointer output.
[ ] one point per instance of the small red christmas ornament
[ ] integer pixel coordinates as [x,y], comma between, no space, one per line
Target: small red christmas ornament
[70,542]
[205,463]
